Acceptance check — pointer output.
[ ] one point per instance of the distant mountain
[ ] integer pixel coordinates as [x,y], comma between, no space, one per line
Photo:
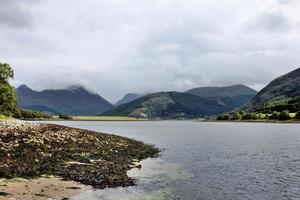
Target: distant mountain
[128,98]
[169,105]
[74,100]
[230,91]
[231,96]
[282,93]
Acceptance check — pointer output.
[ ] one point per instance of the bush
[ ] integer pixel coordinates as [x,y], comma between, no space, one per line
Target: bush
[223,117]
[66,117]
[262,116]
[30,114]
[250,116]
[284,115]
[275,115]
[236,116]
[297,115]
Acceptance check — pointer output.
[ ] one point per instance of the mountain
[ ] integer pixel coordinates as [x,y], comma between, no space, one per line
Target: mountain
[169,105]
[230,91]
[282,93]
[128,98]
[231,96]
[75,100]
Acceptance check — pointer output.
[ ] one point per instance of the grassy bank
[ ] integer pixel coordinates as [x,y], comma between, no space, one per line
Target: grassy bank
[31,150]
[257,121]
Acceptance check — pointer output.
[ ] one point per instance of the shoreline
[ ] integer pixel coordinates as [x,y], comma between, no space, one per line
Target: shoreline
[31,150]
[257,121]
[45,187]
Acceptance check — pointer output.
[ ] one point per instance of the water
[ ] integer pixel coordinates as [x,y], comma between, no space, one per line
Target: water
[206,160]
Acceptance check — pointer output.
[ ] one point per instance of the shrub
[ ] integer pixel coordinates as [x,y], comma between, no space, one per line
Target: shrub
[250,116]
[236,116]
[66,117]
[261,116]
[223,117]
[275,115]
[284,115]
[297,116]
[30,114]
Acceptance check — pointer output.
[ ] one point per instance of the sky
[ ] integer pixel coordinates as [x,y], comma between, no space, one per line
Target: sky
[117,46]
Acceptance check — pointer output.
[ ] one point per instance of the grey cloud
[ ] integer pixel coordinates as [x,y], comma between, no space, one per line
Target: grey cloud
[119,46]
[285,1]
[270,21]
[13,13]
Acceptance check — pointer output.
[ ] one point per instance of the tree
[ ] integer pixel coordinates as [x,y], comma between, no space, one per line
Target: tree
[275,115]
[223,117]
[284,115]
[6,73]
[297,115]
[8,99]
[236,116]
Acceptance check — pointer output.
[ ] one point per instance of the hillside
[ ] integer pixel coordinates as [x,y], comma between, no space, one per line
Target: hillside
[283,93]
[231,96]
[169,105]
[75,100]
[128,98]
[230,91]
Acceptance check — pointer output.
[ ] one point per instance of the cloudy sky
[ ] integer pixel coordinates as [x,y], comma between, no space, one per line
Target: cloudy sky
[119,46]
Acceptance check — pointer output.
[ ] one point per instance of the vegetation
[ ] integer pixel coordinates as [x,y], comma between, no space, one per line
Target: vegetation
[297,116]
[30,114]
[8,99]
[242,115]
[65,117]
[105,118]
[279,105]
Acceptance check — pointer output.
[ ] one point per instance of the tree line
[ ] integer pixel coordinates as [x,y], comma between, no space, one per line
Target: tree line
[275,115]
[8,97]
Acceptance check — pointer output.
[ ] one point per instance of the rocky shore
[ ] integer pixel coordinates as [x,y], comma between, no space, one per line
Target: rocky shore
[30,150]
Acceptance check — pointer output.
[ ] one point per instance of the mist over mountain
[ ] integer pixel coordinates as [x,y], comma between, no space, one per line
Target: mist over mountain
[231,96]
[74,100]
[128,98]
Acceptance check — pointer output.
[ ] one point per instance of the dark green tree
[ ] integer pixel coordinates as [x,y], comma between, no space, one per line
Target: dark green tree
[297,115]
[8,99]
[275,115]
[284,115]
[236,116]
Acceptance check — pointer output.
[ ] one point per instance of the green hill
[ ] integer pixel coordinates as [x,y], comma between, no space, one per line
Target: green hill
[169,105]
[283,93]
[230,96]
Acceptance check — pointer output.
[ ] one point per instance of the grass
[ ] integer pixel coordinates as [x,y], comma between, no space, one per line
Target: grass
[293,115]
[2,117]
[105,118]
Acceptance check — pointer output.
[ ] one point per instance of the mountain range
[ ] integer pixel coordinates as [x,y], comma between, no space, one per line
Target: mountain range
[75,100]
[230,96]
[197,102]
[168,105]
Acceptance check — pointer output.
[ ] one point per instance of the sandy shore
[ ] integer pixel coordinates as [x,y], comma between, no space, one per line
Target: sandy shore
[41,188]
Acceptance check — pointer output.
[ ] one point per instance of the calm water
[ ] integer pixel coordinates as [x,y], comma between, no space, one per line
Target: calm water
[209,161]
